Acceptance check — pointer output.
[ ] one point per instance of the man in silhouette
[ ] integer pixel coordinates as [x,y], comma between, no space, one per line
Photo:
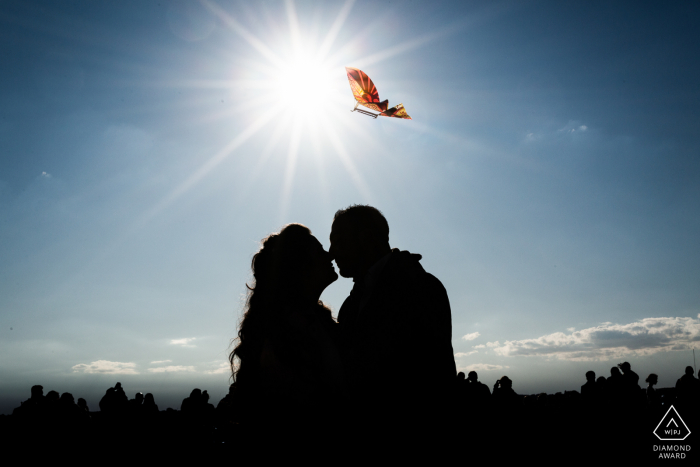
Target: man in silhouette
[476,389]
[135,406]
[397,320]
[630,378]
[686,387]
[590,391]
[193,403]
[615,385]
[33,406]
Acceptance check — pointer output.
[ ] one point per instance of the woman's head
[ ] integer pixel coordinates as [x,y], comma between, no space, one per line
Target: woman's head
[290,272]
[652,379]
[292,266]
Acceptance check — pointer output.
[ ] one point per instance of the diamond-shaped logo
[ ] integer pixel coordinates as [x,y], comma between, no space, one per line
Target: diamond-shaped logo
[671,427]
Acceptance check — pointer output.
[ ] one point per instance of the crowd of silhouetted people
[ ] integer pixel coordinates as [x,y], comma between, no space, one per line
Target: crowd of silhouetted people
[477,408]
[620,389]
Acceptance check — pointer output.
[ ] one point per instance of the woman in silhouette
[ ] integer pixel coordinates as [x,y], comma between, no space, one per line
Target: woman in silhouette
[285,362]
[653,398]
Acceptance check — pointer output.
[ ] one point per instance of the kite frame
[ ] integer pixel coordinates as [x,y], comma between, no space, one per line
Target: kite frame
[364,112]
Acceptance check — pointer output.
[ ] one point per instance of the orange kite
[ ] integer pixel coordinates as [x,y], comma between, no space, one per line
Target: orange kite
[366,94]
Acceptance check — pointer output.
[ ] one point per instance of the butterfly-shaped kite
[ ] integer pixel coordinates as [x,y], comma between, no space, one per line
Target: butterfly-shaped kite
[366,94]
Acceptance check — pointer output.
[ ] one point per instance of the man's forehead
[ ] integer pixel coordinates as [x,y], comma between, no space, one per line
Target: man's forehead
[336,227]
[341,225]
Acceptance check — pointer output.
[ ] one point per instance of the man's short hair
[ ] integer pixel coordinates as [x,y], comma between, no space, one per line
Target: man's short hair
[364,217]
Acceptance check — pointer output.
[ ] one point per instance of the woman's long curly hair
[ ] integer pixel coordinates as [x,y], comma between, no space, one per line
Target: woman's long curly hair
[278,269]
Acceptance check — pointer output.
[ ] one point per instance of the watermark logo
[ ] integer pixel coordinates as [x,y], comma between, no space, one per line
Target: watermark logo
[672,427]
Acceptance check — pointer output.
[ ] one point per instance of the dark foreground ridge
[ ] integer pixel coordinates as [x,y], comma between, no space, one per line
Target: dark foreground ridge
[609,419]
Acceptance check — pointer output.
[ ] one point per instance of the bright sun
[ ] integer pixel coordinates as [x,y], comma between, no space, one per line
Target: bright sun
[304,84]
[295,86]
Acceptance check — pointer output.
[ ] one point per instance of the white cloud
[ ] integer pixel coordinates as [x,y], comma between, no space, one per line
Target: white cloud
[480,346]
[45,175]
[465,354]
[223,368]
[610,341]
[171,369]
[471,337]
[107,368]
[573,127]
[492,344]
[160,361]
[483,367]
[184,342]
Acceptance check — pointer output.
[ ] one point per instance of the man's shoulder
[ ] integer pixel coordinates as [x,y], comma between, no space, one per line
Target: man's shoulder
[405,266]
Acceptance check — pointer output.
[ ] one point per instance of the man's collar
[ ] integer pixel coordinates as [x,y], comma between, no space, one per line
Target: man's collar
[376,269]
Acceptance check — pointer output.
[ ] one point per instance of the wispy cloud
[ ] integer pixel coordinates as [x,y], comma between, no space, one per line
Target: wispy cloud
[465,354]
[480,346]
[610,341]
[171,369]
[573,127]
[547,134]
[483,367]
[160,361]
[184,342]
[223,368]
[471,337]
[492,344]
[45,174]
[106,367]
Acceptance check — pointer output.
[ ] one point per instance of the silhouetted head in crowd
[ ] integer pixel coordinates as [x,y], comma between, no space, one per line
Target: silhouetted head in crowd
[601,380]
[67,398]
[148,399]
[615,372]
[590,376]
[359,238]
[37,392]
[118,386]
[52,396]
[82,403]
[625,367]
[205,396]
[290,272]
[689,371]
[196,393]
[652,379]
[460,376]
[139,397]
[473,377]
[505,382]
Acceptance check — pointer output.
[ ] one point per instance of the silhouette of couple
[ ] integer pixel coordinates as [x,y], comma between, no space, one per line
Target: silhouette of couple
[388,358]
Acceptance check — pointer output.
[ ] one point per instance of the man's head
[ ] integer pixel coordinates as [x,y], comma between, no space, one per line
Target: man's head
[37,391]
[689,370]
[506,382]
[359,238]
[590,376]
[473,376]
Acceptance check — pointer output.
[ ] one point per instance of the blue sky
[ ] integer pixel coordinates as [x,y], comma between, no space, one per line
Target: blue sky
[550,178]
